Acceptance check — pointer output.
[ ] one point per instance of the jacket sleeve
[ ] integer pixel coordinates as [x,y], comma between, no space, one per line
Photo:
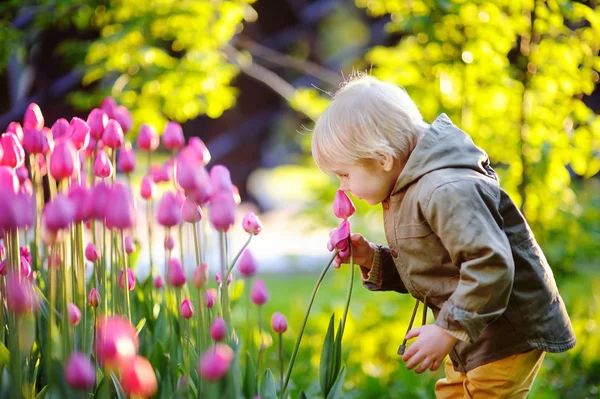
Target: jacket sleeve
[383,275]
[464,215]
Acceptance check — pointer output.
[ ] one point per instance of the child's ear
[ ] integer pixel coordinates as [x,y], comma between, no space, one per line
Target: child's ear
[386,160]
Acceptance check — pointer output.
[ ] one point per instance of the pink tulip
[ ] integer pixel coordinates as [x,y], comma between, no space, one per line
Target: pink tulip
[130,280]
[2,250]
[16,129]
[186,170]
[160,174]
[109,105]
[186,309]
[200,276]
[339,239]
[78,194]
[169,243]
[235,191]
[102,165]
[8,179]
[79,132]
[173,136]
[79,372]
[94,298]
[129,245]
[175,273]
[210,296]
[123,215]
[116,342]
[259,295]
[218,329]
[126,160]
[252,224]
[21,297]
[3,267]
[60,129]
[343,207]
[24,252]
[248,264]
[139,379]
[148,138]
[63,161]
[59,213]
[113,135]
[148,188]
[22,174]
[220,178]
[279,323]
[219,280]
[33,117]
[48,144]
[158,282]
[34,141]
[202,153]
[14,155]
[97,120]
[198,188]
[168,213]
[25,267]
[190,211]
[97,200]
[222,211]
[74,314]
[215,362]
[123,116]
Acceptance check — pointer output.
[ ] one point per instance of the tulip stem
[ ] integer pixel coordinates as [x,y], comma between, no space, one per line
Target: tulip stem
[125,277]
[81,281]
[149,221]
[15,352]
[281,361]
[351,284]
[230,268]
[260,339]
[224,286]
[299,339]
[202,322]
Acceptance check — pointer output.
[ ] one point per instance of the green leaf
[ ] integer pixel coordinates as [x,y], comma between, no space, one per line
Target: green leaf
[249,378]
[4,355]
[336,389]
[42,393]
[268,390]
[302,395]
[119,389]
[337,364]
[140,325]
[328,356]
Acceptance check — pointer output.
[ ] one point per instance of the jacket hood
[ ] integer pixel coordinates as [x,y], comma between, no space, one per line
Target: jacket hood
[443,146]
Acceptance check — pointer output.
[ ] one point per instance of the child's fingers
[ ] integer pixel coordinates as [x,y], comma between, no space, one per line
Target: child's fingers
[416,359]
[355,237]
[413,333]
[436,364]
[410,352]
[425,364]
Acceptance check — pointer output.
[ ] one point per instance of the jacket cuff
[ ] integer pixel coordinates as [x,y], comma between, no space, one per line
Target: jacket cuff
[459,334]
[371,279]
[455,319]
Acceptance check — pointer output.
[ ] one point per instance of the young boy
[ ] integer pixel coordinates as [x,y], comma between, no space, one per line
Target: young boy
[457,242]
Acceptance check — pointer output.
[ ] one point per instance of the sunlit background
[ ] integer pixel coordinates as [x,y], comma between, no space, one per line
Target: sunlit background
[249,78]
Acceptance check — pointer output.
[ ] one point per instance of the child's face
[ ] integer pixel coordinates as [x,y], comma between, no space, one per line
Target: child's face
[370,181]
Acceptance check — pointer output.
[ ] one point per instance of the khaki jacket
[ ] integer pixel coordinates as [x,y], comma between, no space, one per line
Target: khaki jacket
[459,243]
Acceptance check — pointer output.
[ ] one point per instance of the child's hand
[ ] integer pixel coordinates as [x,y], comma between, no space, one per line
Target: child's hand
[363,252]
[430,348]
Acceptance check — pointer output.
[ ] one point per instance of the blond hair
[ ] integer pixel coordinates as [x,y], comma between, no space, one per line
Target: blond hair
[366,116]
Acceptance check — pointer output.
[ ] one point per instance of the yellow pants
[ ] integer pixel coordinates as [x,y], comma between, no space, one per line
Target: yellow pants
[511,377]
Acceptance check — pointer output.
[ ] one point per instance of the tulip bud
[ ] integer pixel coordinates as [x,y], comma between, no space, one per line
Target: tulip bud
[80,373]
[123,215]
[220,178]
[187,310]
[33,117]
[200,150]
[172,137]
[25,267]
[248,264]
[222,211]
[130,280]
[102,165]
[279,323]
[94,298]
[169,243]
[14,155]
[219,280]
[168,213]
[215,362]
[211,297]
[113,134]
[16,129]
[160,173]
[78,194]
[79,132]
[252,224]
[59,213]
[60,129]
[22,174]
[34,141]
[218,329]
[97,120]
[158,282]
[129,245]
[190,211]
[259,295]
[21,297]
[126,160]
[200,276]
[74,314]
[116,342]
[175,273]
[147,138]
[109,105]
[148,187]
[139,379]
[343,207]
[123,116]
[63,161]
